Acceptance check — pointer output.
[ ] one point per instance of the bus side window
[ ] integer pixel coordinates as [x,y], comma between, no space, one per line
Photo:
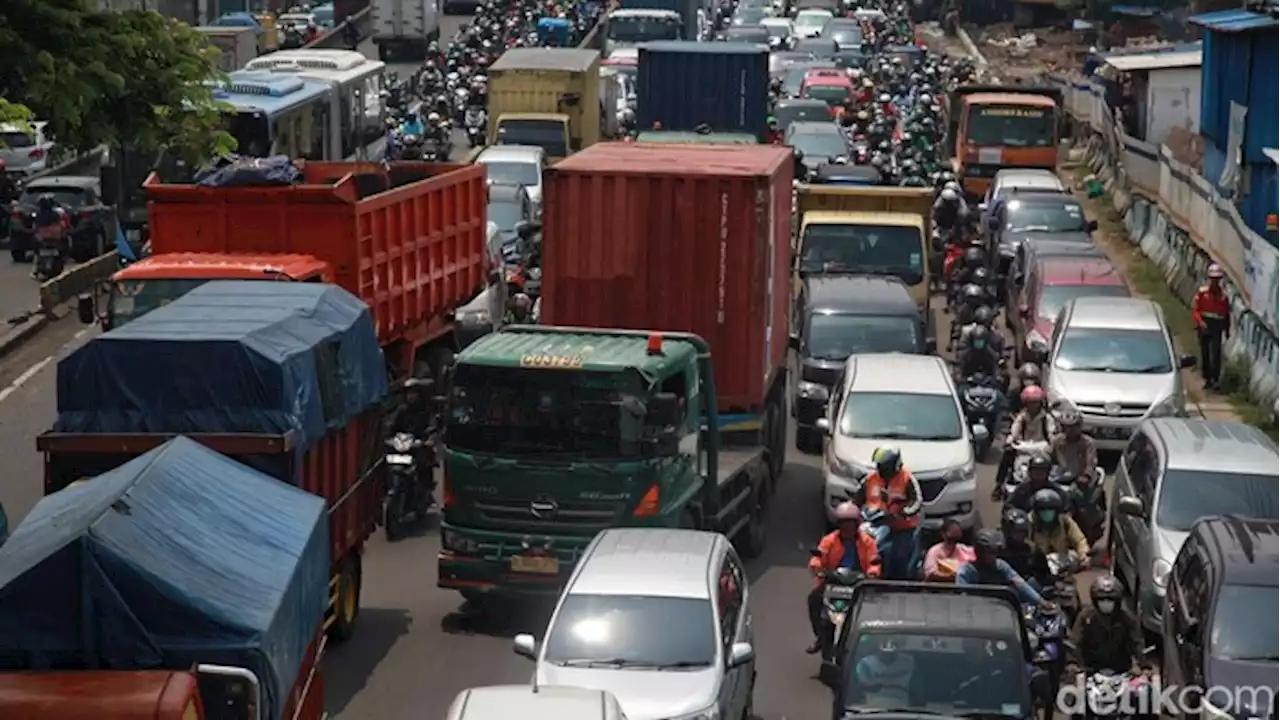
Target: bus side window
[317,135]
[349,107]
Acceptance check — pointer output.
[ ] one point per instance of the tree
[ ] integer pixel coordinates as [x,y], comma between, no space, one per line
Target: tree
[132,79]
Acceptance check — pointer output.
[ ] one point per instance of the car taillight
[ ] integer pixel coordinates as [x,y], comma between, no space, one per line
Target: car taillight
[36,154]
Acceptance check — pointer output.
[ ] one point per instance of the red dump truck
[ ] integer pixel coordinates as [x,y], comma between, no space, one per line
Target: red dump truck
[408,239]
[684,238]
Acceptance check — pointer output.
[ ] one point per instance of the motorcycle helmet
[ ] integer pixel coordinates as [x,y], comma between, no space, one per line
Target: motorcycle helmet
[980,276]
[888,460]
[948,195]
[1029,374]
[1016,524]
[984,316]
[988,541]
[973,257]
[1070,419]
[1105,593]
[978,337]
[952,185]
[1047,504]
[848,512]
[1032,394]
[1039,462]
[973,294]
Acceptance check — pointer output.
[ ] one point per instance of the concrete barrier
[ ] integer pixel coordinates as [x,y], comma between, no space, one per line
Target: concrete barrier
[77,281]
[336,38]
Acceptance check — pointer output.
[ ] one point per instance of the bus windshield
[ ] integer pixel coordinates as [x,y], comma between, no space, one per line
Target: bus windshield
[252,132]
[1017,126]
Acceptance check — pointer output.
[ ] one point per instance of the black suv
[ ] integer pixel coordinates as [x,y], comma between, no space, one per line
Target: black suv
[937,649]
[837,316]
[1220,616]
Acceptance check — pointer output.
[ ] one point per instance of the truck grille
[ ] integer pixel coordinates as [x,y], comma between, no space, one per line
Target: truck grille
[572,516]
[1125,410]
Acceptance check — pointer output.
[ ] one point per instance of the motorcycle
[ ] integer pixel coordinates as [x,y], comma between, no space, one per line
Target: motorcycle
[1017,474]
[1110,695]
[1063,568]
[51,250]
[411,147]
[1046,634]
[837,599]
[981,402]
[406,500]
[475,120]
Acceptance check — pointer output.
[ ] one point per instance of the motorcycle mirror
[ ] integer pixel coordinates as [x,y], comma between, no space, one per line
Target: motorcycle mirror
[931,346]
[793,342]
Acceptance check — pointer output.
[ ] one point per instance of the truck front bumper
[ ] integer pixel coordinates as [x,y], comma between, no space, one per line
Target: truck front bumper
[487,562]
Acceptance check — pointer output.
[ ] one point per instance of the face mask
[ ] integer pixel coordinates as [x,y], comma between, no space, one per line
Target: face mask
[1106,607]
[979,343]
[1048,516]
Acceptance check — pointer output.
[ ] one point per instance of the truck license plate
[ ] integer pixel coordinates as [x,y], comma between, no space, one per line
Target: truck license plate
[538,564]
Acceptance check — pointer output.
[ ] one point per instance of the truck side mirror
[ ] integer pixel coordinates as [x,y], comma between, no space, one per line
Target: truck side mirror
[85,309]
[664,409]
[1131,506]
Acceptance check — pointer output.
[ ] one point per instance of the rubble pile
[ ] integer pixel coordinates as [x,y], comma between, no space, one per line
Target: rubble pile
[1030,53]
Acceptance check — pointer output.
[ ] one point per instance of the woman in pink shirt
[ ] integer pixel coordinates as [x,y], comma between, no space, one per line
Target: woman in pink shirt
[944,559]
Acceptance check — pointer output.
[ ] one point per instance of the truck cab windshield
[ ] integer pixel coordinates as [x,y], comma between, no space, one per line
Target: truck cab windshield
[871,249]
[1017,126]
[644,28]
[546,134]
[131,299]
[536,413]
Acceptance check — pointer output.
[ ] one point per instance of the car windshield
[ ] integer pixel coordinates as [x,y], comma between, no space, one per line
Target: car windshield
[900,416]
[1012,125]
[643,29]
[837,336]
[1044,217]
[131,299]
[753,34]
[874,249]
[1115,351]
[788,113]
[1245,624]
[505,215]
[1055,297]
[750,16]
[617,631]
[512,173]
[946,675]
[1188,495]
[16,139]
[66,196]
[820,144]
[833,94]
[777,29]
[816,18]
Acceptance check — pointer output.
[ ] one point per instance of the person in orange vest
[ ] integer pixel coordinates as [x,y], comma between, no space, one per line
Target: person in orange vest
[1211,312]
[892,501]
[848,546]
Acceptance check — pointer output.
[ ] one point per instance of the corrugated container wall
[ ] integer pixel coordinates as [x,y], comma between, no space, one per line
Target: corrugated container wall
[409,241]
[685,84]
[678,238]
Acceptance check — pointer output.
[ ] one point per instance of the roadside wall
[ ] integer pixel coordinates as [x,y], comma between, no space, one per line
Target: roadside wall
[1181,223]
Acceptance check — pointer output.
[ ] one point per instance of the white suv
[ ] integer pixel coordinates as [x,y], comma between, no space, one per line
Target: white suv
[908,401]
[25,150]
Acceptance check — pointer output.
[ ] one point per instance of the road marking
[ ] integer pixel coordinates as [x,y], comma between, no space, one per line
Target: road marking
[23,378]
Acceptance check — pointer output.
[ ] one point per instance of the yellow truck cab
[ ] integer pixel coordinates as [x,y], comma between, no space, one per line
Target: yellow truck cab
[867,231]
[549,97]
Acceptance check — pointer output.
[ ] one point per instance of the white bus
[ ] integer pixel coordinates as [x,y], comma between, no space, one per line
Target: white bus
[358,82]
[278,114]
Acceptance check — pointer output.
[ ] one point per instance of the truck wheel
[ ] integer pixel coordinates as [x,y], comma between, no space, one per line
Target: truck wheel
[752,542]
[346,608]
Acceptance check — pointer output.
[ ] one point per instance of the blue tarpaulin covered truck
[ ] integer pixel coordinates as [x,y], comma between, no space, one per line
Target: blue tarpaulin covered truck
[180,557]
[287,378]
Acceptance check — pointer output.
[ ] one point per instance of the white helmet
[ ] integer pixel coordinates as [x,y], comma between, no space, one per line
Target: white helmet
[952,185]
[433,117]
[926,99]
[949,195]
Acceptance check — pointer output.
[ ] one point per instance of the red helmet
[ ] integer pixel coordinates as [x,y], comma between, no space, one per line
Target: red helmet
[1032,394]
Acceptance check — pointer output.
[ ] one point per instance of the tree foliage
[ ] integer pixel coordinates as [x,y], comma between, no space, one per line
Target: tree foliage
[124,78]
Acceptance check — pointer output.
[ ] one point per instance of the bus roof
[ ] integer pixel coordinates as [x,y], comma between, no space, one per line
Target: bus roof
[339,65]
[999,98]
[267,92]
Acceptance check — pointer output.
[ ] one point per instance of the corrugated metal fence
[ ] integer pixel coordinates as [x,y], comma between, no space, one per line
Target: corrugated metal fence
[1182,224]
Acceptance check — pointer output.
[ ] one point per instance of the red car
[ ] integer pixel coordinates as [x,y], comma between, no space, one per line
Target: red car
[830,86]
[1050,285]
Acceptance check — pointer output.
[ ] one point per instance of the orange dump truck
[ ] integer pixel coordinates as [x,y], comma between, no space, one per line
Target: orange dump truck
[408,240]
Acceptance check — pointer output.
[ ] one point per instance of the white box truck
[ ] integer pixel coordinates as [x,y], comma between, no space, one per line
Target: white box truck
[404,28]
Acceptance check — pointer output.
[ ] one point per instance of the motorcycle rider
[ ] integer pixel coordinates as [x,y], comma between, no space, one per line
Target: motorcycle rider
[1039,477]
[1028,376]
[1073,450]
[989,569]
[847,546]
[414,415]
[1022,554]
[412,125]
[977,356]
[775,132]
[950,211]
[1053,530]
[1105,636]
[49,212]
[436,131]
[1033,424]
[892,494]
[521,310]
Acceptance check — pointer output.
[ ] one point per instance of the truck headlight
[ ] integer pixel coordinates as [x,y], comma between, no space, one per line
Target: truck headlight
[454,542]
[813,391]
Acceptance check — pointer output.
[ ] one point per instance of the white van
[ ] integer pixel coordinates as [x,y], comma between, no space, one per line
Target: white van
[528,702]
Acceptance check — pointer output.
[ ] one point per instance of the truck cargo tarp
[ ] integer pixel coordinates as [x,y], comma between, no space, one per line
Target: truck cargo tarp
[179,556]
[230,356]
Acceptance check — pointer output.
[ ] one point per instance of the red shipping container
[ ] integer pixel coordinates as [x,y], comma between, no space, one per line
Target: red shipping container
[409,240]
[688,238]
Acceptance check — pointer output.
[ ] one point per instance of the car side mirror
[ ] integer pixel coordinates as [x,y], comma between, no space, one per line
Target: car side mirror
[931,346]
[993,223]
[1091,226]
[525,646]
[823,426]
[793,342]
[980,433]
[740,654]
[1131,506]
[85,309]
[1187,361]
[664,409]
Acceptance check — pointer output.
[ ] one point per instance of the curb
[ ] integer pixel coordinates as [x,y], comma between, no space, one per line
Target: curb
[24,331]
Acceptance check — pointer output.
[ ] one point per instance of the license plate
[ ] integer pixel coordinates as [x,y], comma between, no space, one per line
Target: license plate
[1111,433]
[537,564]
[838,592]
[50,252]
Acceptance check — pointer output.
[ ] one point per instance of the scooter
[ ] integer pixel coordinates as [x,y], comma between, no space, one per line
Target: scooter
[407,501]
[1046,634]
[981,402]
[1063,568]
[51,250]
[475,121]
[837,599]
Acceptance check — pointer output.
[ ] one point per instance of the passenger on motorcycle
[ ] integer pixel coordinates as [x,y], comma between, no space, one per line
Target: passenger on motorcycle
[891,500]
[1039,477]
[848,546]
[1034,422]
[1105,636]
[988,569]
[1053,530]
[943,559]
[1074,451]
[1021,554]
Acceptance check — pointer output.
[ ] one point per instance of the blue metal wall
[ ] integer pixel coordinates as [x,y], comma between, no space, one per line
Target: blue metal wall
[1240,65]
[1263,124]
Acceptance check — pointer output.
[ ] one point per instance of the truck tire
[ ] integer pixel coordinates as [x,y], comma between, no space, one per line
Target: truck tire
[346,610]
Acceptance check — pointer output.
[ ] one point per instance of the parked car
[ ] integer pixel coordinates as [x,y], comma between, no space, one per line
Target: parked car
[1220,618]
[25,149]
[909,401]
[659,617]
[1051,284]
[81,197]
[1175,471]
[1113,359]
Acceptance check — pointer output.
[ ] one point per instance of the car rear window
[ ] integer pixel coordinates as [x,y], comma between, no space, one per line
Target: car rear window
[69,196]
[16,139]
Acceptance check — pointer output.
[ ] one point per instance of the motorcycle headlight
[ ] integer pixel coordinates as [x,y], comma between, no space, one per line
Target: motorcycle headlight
[813,391]
[1169,407]
[1160,573]
[402,442]
[400,460]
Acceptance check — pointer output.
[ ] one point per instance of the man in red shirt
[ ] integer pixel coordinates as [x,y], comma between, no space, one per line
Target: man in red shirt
[1211,313]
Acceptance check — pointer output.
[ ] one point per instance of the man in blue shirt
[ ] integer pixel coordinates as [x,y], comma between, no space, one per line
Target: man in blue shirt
[989,569]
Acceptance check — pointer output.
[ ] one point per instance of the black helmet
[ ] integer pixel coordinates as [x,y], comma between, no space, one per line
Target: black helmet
[1105,587]
[984,316]
[980,276]
[1039,461]
[1015,520]
[988,540]
[973,257]
[1047,499]
[1029,371]
[972,292]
